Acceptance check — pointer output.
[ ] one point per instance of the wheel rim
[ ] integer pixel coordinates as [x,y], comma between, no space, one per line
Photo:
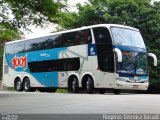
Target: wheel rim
[26,85]
[18,85]
[87,85]
[74,85]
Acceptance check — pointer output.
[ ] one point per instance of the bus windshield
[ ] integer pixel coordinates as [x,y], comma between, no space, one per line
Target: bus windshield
[128,37]
[133,63]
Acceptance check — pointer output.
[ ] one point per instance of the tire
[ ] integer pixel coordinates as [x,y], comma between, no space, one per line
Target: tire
[26,85]
[18,85]
[89,85]
[75,86]
[116,91]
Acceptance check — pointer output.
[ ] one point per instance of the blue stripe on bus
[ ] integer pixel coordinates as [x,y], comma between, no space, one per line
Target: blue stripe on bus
[48,79]
[130,48]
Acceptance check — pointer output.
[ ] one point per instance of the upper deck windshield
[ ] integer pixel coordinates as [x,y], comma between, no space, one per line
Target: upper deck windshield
[127,37]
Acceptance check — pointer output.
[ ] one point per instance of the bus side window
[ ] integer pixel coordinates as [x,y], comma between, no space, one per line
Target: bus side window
[102,35]
[19,47]
[31,45]
[41,43]
[10,49]
[66,64]
[69,39]
[56,41]
[84,37]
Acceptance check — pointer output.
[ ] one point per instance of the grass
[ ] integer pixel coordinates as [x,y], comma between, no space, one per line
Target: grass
[62,91]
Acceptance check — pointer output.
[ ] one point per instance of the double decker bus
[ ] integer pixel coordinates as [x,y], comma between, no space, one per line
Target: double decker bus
[103,56]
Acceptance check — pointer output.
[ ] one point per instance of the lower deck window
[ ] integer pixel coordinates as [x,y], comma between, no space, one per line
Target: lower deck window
[66,64]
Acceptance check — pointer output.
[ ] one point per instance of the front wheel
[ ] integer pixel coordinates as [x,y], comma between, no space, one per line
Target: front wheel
[89,85]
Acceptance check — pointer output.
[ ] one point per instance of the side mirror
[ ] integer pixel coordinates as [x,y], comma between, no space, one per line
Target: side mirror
[154,58]
[119,54]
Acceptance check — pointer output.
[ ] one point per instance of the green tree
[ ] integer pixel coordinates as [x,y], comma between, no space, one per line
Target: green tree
[22,13]
[141,14]
[19,14]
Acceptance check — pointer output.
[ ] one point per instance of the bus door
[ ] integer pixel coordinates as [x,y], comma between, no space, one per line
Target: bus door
[105,55]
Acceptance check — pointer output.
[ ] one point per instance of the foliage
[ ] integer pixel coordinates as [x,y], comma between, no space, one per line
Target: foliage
[22,13]
[19,14]
[141,14]
[61,91]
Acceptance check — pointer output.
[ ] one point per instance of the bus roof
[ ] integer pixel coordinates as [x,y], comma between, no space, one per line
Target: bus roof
[76,29]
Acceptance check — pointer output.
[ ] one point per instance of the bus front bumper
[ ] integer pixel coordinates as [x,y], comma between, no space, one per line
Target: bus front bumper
[131,86]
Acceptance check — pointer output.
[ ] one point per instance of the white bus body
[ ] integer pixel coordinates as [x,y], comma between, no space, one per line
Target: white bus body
[104,56]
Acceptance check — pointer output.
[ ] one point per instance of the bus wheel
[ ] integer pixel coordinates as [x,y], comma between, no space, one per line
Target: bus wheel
[116,91]
[75,85]
[26,85]
[89,85]
[18,85]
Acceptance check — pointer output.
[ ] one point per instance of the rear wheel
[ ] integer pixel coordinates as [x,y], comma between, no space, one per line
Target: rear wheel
[89,85]
[26,85]
[75,86]
[18,85]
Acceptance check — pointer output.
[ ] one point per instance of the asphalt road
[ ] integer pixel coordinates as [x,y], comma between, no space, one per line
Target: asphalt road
[67,103]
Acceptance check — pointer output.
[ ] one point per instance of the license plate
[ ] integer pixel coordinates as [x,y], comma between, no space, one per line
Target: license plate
[135,86]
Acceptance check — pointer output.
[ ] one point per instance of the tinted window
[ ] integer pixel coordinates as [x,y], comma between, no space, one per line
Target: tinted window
[102,35]
[19,47]
[104,47]
[83,37]
[69,39]
[67,64]
[77,38]
[36,44]
[55,41]
[31,45]
[10,48]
